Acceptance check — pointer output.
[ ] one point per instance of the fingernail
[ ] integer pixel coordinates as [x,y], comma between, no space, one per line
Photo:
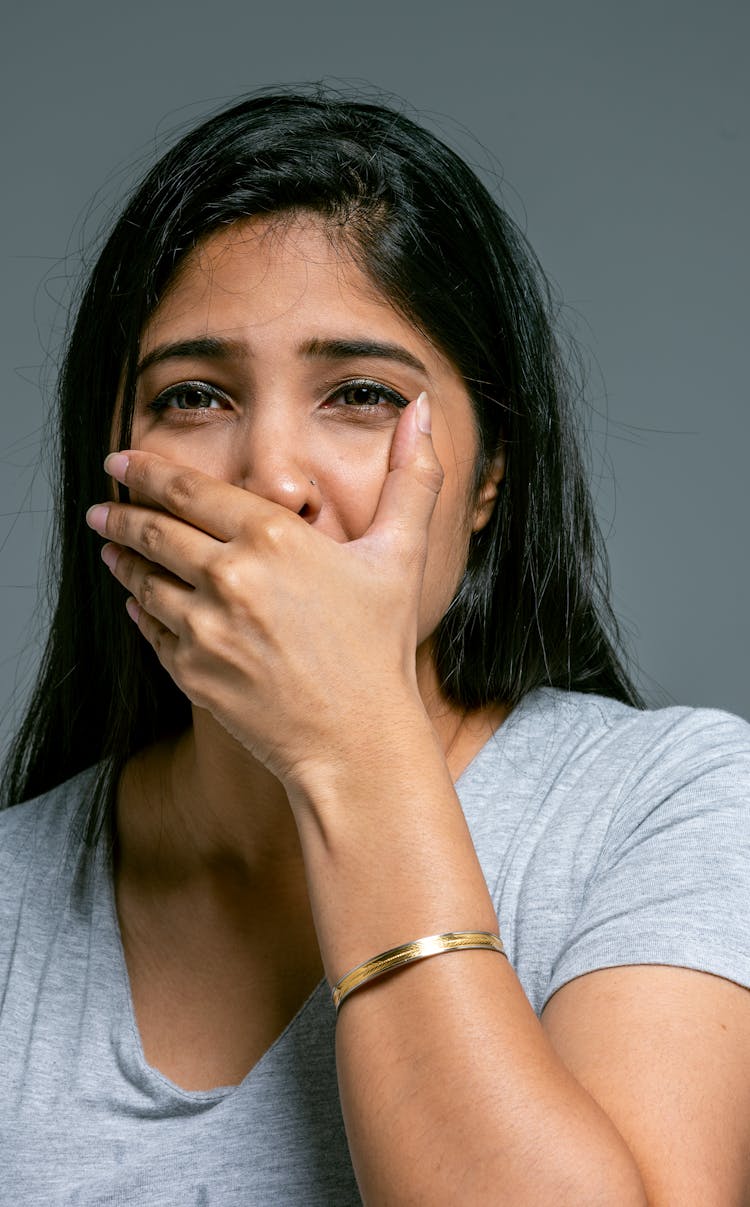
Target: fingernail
[96,517]
[110,556]
[424,419]
[133,608]
[116,464]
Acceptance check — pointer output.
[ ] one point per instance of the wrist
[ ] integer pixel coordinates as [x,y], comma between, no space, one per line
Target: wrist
[387,851]
[391,739]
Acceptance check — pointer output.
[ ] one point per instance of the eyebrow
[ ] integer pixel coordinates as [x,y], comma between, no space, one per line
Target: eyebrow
[204,347]
[210,347]
[354,349]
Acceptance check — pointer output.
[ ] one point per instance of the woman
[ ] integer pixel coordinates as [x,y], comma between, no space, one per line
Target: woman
[366,692]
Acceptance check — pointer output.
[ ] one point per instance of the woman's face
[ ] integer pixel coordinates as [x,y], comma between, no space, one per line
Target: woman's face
[274,364]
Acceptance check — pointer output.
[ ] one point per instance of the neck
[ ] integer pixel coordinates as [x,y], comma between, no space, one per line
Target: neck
[201,806]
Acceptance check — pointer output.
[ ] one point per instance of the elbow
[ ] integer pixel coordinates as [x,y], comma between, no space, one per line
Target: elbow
[592,1177]
[614,1182]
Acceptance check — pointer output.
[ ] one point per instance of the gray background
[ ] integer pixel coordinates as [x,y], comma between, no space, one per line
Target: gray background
[621,134]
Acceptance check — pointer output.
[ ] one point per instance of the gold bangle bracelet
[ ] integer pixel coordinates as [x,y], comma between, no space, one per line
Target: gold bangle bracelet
[420,949]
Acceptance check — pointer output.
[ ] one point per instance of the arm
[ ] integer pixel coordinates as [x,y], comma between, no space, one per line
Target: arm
[666,1053]
[452,1089]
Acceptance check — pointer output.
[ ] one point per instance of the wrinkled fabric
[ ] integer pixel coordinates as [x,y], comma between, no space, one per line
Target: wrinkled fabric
[607,836]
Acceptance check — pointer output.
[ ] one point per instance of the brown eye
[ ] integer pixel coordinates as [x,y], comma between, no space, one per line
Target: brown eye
[188,400]
[187,396]
[368,395]
[361,396]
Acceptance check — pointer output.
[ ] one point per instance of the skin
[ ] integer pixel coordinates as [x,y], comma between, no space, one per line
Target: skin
[272,289]
[290,578]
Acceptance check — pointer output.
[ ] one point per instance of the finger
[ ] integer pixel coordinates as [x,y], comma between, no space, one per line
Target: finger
[157,536]
[216,507]
[414,478]
[162,641]
[163,596]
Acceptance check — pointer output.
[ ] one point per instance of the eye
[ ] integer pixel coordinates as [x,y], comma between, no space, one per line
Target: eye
[364,394]
[189,396]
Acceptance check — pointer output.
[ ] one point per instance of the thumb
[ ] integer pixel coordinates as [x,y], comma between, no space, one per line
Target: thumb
[413,482]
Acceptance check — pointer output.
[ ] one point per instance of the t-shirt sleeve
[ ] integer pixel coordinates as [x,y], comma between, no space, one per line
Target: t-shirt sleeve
[672,882]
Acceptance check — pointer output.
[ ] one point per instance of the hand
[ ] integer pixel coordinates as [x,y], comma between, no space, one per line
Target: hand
[291,640]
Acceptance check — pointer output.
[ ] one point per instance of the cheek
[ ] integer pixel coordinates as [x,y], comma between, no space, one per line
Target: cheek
[446,560]
[449,534]
[448,542]
[450,527]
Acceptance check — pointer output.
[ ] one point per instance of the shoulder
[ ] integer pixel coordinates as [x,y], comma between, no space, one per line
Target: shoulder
[663,781]
[41,839]
[691,760]
[601,828]
[46,811]
[577,711]
[621,747]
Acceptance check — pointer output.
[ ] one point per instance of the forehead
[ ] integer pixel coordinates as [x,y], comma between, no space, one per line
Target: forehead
[261,253]
[290,276]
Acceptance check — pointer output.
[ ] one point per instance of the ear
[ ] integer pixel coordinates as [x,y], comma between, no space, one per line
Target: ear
[487,497]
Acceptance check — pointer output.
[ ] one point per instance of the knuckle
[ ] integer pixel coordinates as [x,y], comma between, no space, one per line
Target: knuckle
[181,489]
[183,671]
[124,568]
[194,628]
[181,664]
[274,533]
[224,573]
[429,473]
[232,578]
[213,573]
[117,521]
[148,589]
[151,537]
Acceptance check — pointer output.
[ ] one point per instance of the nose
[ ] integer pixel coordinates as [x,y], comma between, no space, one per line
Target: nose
[276,466]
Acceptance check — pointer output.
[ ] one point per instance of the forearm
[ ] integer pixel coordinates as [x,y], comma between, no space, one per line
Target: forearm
[450,1088]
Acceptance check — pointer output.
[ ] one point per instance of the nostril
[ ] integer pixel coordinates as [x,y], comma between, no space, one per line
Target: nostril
[306,511]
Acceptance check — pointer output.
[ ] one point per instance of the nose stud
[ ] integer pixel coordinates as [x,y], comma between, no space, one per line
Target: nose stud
[313,482]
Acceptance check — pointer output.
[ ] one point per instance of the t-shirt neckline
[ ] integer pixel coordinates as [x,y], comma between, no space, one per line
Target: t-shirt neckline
[139,1066]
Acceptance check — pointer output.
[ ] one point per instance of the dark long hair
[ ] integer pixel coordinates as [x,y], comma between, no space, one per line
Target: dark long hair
[532,607]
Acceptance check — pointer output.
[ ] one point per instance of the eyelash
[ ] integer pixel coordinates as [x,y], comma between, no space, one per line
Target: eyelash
[377,387]
[161,402]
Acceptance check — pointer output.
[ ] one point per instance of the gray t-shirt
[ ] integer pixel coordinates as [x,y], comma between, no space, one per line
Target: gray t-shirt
[607,836]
